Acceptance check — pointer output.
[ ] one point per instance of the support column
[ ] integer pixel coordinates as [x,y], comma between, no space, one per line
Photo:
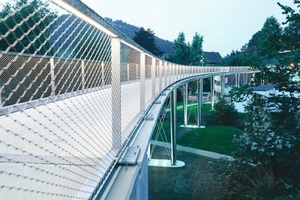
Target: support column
[222,85]
[185,103]
[142,83]
[173,100]
[212,92]
[236,80]
[116,92]
[200,94]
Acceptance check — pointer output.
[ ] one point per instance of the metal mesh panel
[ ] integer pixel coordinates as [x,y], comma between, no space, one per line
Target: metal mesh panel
[67,76]
[24,78]
[56,121]
[72,89]
[130,99]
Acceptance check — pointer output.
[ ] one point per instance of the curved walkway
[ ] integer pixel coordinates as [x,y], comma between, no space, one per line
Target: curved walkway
[193,150]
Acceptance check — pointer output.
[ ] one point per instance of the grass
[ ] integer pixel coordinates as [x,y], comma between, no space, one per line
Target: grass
[200,178]
[211,138]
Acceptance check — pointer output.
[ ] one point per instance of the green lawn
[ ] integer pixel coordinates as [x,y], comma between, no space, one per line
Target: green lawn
[211,138]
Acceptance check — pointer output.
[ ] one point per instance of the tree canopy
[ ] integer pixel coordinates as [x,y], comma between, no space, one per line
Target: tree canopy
[185,53]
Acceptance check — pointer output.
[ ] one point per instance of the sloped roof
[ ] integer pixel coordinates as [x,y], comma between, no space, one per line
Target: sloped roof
[213,57]
[262,88]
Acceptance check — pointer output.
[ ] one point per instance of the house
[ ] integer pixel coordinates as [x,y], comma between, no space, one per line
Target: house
[212,58]
[264,90]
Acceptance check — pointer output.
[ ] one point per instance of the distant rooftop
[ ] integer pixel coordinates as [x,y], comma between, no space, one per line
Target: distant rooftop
[262,88]
[212,58]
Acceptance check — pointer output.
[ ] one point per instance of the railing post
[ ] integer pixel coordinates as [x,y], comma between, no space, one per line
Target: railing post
[52,67]
[83,74]
[173,111]
[102,74]
[153,72]
[169,73]
[1,94]
[142,83]
[128,77]
[116,92]
[175,73]
[166,73]
[137,72]
[160,75]
[181,74]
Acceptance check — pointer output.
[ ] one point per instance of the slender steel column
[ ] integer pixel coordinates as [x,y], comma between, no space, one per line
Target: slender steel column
[185,102]
[116,91]
[212,92]
[222,85]
[173,111]
[200,94]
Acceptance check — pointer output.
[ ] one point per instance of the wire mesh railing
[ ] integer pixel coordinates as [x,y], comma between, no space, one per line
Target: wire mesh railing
[72,87]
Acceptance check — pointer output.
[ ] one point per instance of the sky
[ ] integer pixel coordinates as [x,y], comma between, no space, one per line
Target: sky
[226,25]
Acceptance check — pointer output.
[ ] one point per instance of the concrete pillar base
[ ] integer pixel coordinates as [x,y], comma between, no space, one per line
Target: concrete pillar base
[165,163]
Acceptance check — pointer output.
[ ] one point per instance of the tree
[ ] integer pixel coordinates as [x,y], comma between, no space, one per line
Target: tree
[145,38]
[272,136]
[32,17]
[197,50]
[181,50]
[269,38]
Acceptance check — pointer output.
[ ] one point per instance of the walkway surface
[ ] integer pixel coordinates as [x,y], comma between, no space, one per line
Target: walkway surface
[194,151]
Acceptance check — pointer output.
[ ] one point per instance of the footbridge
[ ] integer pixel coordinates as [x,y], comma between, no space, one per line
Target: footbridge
[79,101]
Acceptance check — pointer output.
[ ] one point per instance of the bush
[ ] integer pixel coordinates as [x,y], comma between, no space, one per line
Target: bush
[223,114]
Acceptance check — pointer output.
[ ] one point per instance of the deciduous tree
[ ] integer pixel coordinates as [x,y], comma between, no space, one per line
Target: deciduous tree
[146,39]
